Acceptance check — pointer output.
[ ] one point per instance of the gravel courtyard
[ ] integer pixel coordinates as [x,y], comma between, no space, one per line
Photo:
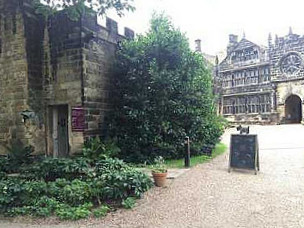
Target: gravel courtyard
[209,196]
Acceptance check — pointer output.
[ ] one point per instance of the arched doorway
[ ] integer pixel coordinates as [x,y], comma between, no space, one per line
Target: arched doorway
[293,109]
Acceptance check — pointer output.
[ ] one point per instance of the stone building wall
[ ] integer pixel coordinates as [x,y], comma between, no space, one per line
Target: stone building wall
[82,59]
[283,86]
[99,55]
[34,33]
[64,79]
[51,71]
[287,77]
[244,84]
[16,70]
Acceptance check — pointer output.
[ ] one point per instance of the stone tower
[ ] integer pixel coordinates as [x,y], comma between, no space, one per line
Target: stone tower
[21,35]
[56,78]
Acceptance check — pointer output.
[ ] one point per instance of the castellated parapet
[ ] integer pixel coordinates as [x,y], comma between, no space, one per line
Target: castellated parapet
[55,78]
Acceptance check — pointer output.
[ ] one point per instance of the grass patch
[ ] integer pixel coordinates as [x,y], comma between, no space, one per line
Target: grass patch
[219,149]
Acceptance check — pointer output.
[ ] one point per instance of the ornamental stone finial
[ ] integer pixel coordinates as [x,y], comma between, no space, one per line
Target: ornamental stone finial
[216,60]
[290,31]
[269,39]
[276,40]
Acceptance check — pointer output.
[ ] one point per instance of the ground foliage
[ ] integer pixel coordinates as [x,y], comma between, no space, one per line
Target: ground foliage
[164,93]
[70,188]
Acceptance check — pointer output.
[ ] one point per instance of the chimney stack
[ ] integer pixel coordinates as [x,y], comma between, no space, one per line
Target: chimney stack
[233,40]
[198,45]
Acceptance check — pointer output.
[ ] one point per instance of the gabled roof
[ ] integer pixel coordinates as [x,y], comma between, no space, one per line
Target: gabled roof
[244,43]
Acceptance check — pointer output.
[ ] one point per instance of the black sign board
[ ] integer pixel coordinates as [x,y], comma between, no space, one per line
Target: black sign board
[207,150]
[244,152]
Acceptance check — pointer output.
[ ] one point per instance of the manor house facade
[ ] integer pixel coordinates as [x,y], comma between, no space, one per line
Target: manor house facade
[264,85]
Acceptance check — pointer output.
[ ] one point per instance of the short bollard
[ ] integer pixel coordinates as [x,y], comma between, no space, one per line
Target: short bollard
[187,152]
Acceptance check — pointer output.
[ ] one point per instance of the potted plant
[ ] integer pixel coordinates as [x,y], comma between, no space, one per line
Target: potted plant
[159,172]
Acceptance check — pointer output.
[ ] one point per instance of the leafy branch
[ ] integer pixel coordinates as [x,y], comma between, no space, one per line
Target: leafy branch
[75,8]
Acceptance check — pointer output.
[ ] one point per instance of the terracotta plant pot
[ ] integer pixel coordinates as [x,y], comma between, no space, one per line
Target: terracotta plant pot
[160,179]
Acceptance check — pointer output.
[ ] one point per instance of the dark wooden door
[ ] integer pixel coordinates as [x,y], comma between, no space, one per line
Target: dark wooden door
[63,134]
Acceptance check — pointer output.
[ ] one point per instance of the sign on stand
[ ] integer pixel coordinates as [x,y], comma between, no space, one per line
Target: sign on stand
[244,152]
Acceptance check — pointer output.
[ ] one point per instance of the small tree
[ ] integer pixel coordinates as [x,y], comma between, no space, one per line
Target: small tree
[164,93]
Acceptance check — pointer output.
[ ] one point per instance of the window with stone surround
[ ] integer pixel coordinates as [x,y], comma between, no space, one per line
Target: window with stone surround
[247,104]
[227,80]
[228,107]
[264,74]
[265,103]
[246,77]
[244,55]
[240,105]
[251,77]
[239,78]
[253,104]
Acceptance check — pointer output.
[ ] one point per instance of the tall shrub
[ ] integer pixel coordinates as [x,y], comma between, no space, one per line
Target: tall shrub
[164,93]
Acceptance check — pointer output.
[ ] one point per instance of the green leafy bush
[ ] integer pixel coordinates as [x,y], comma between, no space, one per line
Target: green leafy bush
[73,193]
[15,192]
[95,149]
[17,157]
[163,93]
[120,185]
[50,169]
[110,165]
[45,206]
[3,163]
[10,193]
[66,212]
[70,188]
[19,154]
[2,175]
[101,211]
[128,203]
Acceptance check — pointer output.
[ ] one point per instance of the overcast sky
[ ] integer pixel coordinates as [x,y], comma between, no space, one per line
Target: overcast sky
[213,20]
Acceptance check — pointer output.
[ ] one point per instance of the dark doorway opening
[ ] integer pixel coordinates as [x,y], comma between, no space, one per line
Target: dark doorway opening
[293,109]
[59,130]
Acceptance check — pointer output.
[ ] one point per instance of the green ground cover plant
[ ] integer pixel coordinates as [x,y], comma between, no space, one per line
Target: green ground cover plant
[70,188]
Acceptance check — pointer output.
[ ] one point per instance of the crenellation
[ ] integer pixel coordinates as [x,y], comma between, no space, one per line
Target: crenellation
[129,33]
[111,25]
[60,68]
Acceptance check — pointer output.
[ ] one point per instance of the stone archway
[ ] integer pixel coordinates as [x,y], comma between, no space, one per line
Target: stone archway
[293,109]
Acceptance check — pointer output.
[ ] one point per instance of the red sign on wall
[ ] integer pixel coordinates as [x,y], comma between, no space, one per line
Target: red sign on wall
[78,119]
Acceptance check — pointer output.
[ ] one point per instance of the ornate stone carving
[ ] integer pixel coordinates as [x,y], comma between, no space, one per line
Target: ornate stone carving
[291,63]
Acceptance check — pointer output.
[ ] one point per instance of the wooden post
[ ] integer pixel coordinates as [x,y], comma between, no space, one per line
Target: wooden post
[187,152]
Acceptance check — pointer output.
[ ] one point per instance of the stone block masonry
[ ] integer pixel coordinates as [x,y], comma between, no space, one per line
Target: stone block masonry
[50,68]
[262,84]
[14,74]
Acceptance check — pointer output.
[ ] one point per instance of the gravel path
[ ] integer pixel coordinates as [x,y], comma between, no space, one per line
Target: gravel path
[209,196]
